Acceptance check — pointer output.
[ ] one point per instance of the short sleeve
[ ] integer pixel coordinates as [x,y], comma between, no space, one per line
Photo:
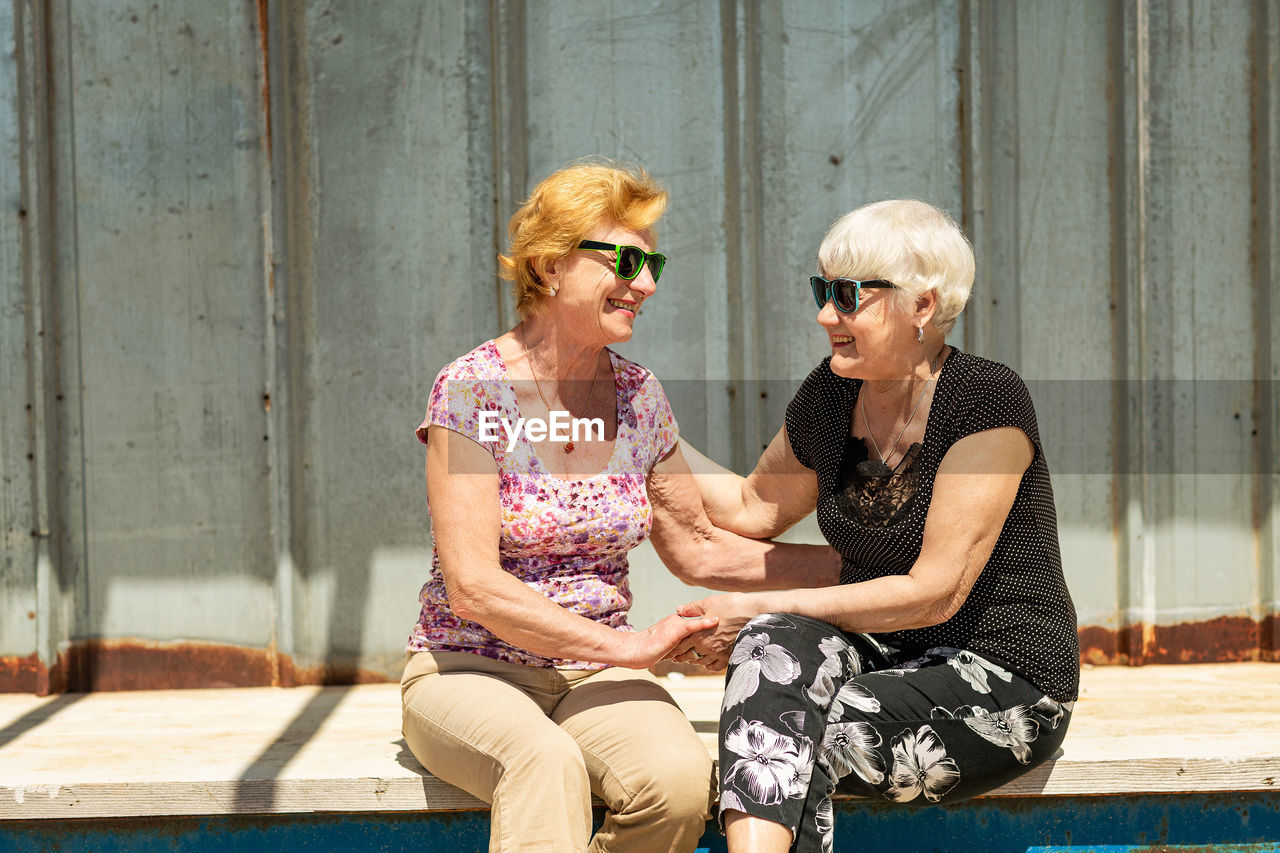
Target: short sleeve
[994,397]
[470,406]
[664,430]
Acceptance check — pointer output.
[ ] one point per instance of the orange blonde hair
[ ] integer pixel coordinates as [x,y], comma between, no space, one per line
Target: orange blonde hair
[563,209]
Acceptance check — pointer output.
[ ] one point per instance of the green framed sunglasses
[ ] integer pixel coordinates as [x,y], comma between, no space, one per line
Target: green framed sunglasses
[630,259]
[844,292]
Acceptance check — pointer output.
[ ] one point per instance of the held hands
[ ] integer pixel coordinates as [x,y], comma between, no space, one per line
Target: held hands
[657,642]
[710,648]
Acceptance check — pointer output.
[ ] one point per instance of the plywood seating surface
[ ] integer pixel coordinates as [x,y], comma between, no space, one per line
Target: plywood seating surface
[1205,727]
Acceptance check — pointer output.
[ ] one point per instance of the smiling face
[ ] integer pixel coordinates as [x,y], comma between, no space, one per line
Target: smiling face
[594,302]
[875,342]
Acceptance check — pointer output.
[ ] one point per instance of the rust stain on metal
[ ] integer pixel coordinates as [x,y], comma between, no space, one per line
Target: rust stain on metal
[23,675]
[1223,640]
[266,72]
[1099,646]
[137,665]
[102,665]
[108,665]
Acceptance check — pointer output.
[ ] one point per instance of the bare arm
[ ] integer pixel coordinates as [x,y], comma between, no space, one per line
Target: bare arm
[700,553]
[972,495]
[462,487]
[777,494]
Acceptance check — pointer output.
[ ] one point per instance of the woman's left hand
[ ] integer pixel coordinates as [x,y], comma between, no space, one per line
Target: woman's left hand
[711,648]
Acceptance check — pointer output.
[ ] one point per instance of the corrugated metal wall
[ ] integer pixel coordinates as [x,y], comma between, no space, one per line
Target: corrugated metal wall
[238,241]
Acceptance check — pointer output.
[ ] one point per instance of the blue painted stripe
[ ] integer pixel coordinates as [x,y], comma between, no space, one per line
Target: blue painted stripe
[1245,823]
[1265,847]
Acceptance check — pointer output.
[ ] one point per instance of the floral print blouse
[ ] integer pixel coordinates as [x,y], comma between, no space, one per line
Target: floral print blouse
[566,539]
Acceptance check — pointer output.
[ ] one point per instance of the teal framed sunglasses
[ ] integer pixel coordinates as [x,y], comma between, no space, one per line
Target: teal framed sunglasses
[629,260]
[844,292]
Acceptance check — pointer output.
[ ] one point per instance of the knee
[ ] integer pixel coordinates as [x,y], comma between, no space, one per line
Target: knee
[553,755]
[782,630]
[678,785]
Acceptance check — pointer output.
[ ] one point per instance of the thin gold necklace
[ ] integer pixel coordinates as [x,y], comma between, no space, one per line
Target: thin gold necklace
[524,342]
[880,469]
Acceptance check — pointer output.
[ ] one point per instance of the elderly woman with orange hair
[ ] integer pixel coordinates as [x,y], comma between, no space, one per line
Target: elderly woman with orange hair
[940,659]
[525,685]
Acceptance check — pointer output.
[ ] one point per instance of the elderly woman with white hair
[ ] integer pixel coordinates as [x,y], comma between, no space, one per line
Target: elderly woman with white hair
[942,661]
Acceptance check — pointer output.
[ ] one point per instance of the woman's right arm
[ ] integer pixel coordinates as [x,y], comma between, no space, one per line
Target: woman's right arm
[776,495]
[462,488]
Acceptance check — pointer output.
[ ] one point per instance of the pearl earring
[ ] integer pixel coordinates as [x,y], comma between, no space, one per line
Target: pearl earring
[554,290]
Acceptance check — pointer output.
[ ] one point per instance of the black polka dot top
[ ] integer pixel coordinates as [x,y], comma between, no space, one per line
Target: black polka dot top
[1019,611]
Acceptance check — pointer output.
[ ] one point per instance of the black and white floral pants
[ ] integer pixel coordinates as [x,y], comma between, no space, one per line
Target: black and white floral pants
[809,709]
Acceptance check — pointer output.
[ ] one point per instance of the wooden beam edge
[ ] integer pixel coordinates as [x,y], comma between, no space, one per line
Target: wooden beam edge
[372,794]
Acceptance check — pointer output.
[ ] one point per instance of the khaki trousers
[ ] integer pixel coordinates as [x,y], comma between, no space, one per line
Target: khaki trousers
[535,743]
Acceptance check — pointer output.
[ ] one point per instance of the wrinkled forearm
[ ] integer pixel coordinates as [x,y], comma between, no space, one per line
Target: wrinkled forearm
[719,489]
[518,615]
[701,554]
[737,565]
[891,603]
[729,501]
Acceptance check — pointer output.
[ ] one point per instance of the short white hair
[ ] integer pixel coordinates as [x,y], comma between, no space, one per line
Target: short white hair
[913,244]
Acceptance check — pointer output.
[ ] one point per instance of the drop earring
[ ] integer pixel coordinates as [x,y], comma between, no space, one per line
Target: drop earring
[919,334]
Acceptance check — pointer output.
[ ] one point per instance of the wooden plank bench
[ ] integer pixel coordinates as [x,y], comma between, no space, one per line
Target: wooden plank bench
[259,751]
